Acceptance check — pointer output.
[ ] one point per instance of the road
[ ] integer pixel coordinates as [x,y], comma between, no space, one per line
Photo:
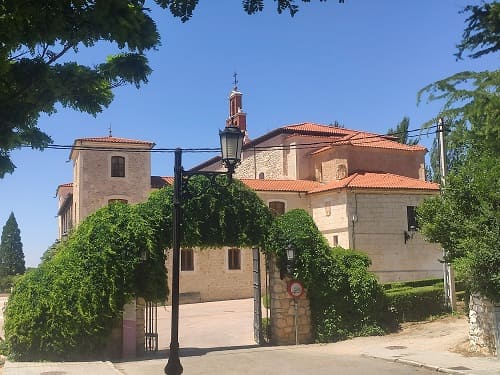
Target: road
[217,338]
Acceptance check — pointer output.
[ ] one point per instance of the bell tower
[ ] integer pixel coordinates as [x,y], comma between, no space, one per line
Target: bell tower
[237,117]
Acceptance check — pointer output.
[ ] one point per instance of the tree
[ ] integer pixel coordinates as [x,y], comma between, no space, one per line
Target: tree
[38,66]
[11,249]
[482,31]
[401,132]
[465,217]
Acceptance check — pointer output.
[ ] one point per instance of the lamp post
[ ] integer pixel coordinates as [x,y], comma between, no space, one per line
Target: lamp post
[231,139]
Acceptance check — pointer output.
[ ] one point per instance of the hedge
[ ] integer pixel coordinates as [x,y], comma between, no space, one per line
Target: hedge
[416,304]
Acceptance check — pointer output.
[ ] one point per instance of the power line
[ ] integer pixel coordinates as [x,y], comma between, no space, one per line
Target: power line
[364,140]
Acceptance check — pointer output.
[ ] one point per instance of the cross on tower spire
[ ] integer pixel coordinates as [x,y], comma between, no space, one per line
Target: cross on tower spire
[109,128]
[235,82]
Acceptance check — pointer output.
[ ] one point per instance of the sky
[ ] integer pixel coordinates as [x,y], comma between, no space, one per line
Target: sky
[360,63]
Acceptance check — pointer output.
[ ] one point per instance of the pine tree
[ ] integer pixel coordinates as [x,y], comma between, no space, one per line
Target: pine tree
[11,249]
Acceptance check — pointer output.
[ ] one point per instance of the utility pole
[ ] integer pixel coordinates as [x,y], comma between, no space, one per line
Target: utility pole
[449,277]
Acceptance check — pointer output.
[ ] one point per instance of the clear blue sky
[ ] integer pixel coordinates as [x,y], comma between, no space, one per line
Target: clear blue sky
[360,63]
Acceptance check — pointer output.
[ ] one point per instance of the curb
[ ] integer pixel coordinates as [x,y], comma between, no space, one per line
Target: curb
[419,364]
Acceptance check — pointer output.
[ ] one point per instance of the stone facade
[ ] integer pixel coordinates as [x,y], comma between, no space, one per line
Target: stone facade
[212,280]
[483,325]
[283,310]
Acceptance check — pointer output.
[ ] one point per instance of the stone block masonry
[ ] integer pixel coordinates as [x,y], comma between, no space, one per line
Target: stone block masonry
[482,325]
[283,312]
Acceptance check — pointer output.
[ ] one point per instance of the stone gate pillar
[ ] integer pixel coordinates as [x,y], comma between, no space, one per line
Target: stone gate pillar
[283,311]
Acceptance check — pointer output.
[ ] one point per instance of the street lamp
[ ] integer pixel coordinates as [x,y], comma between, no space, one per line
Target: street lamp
[231,139]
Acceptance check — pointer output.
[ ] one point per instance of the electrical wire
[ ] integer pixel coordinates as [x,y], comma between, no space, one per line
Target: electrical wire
[364,140]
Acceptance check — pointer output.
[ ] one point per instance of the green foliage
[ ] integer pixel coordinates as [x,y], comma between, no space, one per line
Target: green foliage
[412,283]
[482,31]
[38,59]
[346,300]
[414,304]
[7,282]
[217,216]
[465,220]
[66,308]
[401,132]
[11,249]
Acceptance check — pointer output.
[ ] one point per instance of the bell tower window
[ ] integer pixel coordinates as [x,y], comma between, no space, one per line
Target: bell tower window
[117,166]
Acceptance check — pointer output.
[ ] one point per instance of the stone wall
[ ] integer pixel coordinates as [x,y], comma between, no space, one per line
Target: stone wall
[283,312]
[482,325]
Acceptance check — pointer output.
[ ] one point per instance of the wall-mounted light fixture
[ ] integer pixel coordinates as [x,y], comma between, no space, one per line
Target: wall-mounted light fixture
[408,235]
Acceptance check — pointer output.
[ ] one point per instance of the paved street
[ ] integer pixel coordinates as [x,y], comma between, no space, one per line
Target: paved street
[297,360]
[217,338]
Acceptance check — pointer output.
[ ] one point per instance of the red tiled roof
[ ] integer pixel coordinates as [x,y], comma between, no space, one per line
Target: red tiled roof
[115,140]
[318,129]
[364,139]
[370,180]
[64,189]
[158,182]
[281,185]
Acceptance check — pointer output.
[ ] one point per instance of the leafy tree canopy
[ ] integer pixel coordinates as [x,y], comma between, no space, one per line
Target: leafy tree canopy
[39,68]
[465,218]
[11,249]
[482,33]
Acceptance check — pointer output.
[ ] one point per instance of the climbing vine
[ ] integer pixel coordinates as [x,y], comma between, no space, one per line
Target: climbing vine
[66,308]
[346,300]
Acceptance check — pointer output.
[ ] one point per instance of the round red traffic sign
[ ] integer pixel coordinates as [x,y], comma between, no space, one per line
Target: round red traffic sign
[295,288]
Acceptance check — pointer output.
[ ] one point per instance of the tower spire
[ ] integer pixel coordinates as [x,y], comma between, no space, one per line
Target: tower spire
[237,117]
[109,129]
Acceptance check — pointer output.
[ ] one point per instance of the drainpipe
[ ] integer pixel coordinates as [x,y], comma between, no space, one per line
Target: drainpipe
[354,219]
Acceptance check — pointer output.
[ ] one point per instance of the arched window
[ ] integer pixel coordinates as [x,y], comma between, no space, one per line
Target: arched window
[261,175]
[117,166]
[277,207]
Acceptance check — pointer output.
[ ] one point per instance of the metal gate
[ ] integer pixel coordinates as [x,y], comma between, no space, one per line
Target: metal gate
[257,307]
[151,327]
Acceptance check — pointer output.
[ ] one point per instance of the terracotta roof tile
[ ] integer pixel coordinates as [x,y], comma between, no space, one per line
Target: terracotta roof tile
[377,181]
[364,139]
[281,185]
[158,182]
[310,127]
[64,189]
[115,140]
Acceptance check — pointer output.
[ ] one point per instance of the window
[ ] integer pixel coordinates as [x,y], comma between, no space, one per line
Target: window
[335,240]
[234,259]
[117,200]
[261,175]
[117,166]
[411,215]
[187,260]
[277,208]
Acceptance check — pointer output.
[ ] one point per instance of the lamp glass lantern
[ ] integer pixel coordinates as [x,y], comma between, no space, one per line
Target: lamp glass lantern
[231,142]
[290,253]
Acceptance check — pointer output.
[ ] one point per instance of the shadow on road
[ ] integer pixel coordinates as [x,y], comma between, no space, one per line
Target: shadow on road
[186,352]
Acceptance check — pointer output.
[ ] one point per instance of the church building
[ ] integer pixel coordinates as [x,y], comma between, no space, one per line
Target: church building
[360,188]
